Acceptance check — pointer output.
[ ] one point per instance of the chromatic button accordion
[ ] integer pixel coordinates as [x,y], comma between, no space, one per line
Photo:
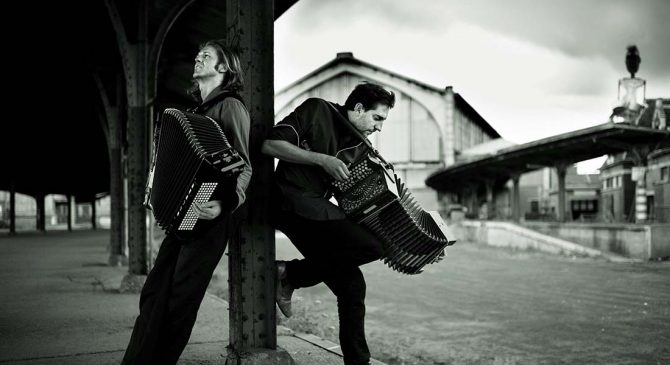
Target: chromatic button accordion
[193,162]
[375,197]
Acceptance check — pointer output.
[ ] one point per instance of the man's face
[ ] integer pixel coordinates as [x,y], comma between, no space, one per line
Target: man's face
[369,121]
[206,63]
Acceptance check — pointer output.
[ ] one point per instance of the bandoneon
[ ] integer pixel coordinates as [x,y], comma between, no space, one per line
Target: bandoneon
[193,162]
[375,197]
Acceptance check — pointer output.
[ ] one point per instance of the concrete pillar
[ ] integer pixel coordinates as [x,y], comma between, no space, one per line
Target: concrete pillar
[640,194]
[40,221]
[12,209]
[516,199]
[474,203]
[253,337]
[474,200]
[490,200]
[94,218]
[639,154]
[560,209]
[71,212]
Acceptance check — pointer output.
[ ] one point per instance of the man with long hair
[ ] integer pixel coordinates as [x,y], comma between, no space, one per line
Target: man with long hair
[176,284]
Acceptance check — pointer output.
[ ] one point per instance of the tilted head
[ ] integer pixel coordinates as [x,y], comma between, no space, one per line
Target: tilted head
[368,106]
[215,59]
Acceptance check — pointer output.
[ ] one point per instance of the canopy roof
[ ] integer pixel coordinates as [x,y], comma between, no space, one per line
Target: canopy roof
[567,148]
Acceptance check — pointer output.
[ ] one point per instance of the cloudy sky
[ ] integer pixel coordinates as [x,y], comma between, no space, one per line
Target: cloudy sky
[531,68]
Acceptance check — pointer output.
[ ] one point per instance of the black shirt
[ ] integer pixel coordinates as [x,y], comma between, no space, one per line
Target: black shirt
[318,126]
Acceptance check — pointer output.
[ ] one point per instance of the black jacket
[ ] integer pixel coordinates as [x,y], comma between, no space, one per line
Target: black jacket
[319,126]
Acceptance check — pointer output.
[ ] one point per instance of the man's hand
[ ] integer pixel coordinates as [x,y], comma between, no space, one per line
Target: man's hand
[208,210]
[286,151]
[334,167]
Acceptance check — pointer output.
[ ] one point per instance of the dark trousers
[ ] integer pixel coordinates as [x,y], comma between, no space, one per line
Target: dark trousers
[333,251]
[172,294]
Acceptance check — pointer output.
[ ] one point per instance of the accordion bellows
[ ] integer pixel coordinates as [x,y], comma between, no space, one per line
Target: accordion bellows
[374,197]
[192,162]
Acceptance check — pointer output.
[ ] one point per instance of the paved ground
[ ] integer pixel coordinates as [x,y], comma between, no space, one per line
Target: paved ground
[485,305]
[482,305]
[60,305]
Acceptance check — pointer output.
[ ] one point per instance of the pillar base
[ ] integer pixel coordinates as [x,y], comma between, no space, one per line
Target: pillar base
[132,283]
[260,356]
[117,260]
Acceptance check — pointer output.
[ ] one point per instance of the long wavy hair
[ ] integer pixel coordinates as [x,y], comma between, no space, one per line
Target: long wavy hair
[230,59]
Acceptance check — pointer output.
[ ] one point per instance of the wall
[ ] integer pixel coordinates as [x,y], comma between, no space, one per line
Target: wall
[642,242]
[660,241]
[630,240]
[505,234]
[658,183]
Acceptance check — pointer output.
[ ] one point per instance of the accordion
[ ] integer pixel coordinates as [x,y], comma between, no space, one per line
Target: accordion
[375,197]
[193,162]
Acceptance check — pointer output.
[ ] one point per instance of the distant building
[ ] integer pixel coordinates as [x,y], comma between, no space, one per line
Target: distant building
[618,189]
[538,196]
[427,129]
[538,191]
[582,195]
[622,200]
[619,177]
[658,184]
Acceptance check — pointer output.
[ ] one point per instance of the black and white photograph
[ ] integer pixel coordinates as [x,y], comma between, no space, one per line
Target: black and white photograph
[350,182]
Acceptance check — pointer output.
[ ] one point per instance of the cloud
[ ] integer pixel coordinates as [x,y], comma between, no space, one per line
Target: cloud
[531,68]
[595,28]
[307,15]
[581,29]
[578,28]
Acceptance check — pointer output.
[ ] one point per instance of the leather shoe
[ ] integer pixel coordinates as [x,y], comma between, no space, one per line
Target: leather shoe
[284,290]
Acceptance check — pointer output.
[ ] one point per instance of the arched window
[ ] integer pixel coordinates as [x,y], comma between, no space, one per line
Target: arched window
[410,134]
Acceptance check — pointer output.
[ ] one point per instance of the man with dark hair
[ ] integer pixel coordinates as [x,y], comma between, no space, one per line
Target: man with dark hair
[314,145]
[176,284]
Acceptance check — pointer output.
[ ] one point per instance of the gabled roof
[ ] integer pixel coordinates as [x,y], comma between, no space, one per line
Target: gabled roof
[347,58]
[468,110]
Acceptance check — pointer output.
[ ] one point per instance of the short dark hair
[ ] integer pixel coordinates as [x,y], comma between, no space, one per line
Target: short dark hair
[369,94]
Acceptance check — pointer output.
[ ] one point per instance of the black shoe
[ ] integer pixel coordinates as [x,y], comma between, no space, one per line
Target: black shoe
[284,290]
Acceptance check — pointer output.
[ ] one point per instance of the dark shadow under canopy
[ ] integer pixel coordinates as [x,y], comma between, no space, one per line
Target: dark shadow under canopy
[53,132]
